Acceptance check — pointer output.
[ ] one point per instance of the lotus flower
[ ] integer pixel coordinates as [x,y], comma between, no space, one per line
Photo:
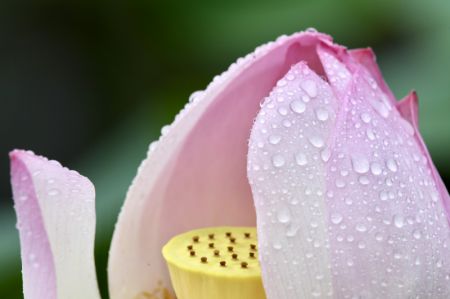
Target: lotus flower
[302,139]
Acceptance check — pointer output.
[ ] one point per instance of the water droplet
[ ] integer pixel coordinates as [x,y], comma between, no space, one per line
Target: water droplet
[283,215]
[309,87]
[23,197]
[417,234]
[305,98]
[165,130]
[278,161]
[360,164]
[399,221]
[370,134]
[274,139]
[365,117]
[291,231]
[325,154]
[383,196]
[340,183]
[316,141]
[391,165]
[281,83]
[287,123]
[363,180]
[300,159]
[381,108]
[361,227]
[408,127]
[375,168]
[277,245]
[53,192]
[434,196]
[195,96]
[283,111]
[298,106]
[322,114]
[336,218]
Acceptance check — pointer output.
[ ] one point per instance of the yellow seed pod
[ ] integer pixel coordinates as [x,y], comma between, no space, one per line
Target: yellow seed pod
[215,262]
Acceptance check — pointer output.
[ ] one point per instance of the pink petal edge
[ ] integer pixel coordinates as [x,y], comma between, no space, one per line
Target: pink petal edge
[55,209]
[196,174]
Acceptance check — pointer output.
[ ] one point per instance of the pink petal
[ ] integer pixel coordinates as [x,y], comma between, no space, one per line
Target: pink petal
[409,110]
[364,220]
[366,57]
[288,181]
[56,220]
[196,174]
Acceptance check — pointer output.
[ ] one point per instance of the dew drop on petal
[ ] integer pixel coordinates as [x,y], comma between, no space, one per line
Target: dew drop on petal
[365,117]
[309,87]
[278,161]
[322,114]
[298,106]
[316,141]
[300,159]
[283,215]
[360,164]
[325,154]
[336,218]
[399,221]
[391,165]
[375,168]
[274,139]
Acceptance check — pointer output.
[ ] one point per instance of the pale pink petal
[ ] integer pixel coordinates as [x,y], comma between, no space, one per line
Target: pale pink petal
[56,220]
[366,57]
[364,220]
[196,174]
[288,180]
[409,110]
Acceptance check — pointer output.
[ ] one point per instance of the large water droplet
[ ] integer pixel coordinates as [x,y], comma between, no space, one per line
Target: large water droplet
[53,192]
[399,221]
[309,87]
[298,106]
[363,180]
[316,141]
[417,234]
[325,154]
[300,159]
[283,215]
[391,165]
[360,164]
[383,196]
[322,114]
[278,161]
[336,218]
[361,227]
[375,168]
[339,183]
[365,117]
[274,139]
[381,108]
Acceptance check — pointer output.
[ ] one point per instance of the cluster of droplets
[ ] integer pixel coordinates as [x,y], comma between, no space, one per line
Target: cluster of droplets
[383,218]
[199,97]
[55,191]
[369,208]
[290,136]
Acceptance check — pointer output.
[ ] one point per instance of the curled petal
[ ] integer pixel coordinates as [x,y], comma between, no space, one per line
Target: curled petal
[196,174]
[56,220]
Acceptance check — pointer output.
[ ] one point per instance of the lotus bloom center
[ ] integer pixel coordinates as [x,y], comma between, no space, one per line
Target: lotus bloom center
[216,262]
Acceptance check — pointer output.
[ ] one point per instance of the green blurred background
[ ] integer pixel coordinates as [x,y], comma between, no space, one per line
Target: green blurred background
[90,83]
